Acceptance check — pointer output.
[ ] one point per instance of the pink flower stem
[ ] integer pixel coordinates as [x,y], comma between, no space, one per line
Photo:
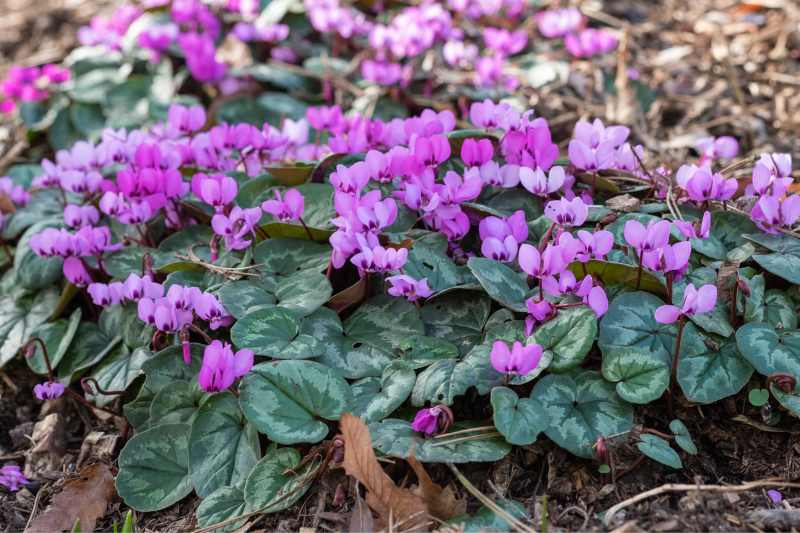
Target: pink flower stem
[675,358]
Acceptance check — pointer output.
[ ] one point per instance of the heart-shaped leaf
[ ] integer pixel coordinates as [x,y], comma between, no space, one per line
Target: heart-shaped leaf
[569,336]
[376,398]
[682,436]
[758,397]
[118,371]
[421,351]
[768,350]
[225,503]
[57,337]
[425,261]
[397,438]
[789,400]
[659,450]
[303,293]
[505,286]
[20,314]
[458,317]
[89,347]
[34,272]
[639,378]
[485,519]
[275,332]
[614,273]
[519,420]
[154,468]
[276,483]
[280,257]
[243,297]
[784,262]
[384,322]
[715,321]
[581,406]
[709,370]
[779,310]
[176,403]
[286,400]
[223,446]
[630,323]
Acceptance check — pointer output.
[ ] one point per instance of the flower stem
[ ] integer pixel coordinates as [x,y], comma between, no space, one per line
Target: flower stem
[669,287]
[734,297]
[675,358]
[639,272]
[37,340]
[308,231]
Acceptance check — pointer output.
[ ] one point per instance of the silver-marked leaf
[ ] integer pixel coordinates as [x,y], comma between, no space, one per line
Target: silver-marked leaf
[118,371]
[630,323]
[223,446]
[376,398]
[20,314]
[581,406]
[89,347]
[273,485]
[154,468]
[485,519]
[57,337]
[568,336]
[425,261]
[784,262]
[659,450]
[752,305]
[177,403]
[384,322]
[519,420]
[351,358]
[779,310]
[710,370]
[282,256]
[397,438]
[32,271]
[507,287]
[225,503]
[275,332]
[288,400]
[789,400]
[730,228]
[242,297]
[458,317]
[303,293]
[420,351]
[770,351]
[682,436]
[639,378]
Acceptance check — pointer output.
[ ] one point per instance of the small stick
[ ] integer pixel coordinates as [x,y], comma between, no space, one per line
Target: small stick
[678,487]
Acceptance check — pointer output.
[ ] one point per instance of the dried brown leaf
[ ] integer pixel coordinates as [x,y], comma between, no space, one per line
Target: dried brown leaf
[83,498]
[396,507]
[6,204]
[360,517]
[442,502]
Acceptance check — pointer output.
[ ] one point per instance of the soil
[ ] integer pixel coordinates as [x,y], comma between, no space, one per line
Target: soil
[718,67]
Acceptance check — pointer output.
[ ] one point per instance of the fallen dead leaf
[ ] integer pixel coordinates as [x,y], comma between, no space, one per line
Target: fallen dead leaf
[360,517]
[83,498]
[396,508]
[442,502]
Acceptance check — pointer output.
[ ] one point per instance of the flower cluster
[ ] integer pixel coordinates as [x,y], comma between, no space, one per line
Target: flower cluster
[774,208]
[12,478]
[569,24]
[30,84]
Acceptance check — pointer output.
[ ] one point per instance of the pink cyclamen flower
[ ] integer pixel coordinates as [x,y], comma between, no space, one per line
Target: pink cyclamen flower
[476,152]
[135,288]
[775,496]
[49,390]
[288,208]
[540,311]
[221,366]
[408,287]
[654,236]
[106,294]
[554,23]
[540,264]
[209,308]
[597,300]
[12,478]
[695,302]
[567,212]
[501,236]
[702,185]
[711,148]
[77,216]
[771,213]
[590,42]
[428,421]
[185,120]
[217,190]
[536,182]
[237,226]
[700,229]
[594,245]
[669,258]
[75,271]
[519,360]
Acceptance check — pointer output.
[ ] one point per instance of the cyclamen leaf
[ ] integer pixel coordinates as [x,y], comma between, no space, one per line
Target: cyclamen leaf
[768,350]
[223,446]
[222,505]
[505,286]
[118,371]
[20,314]
[459,317]
[640,379]
[658,450]
[275,332]
[57,337]
[682,436]
[569,336]
[376,398]
[273,483]
[154,468]
[288,400]
[709,370]
[519,420]
[176,403]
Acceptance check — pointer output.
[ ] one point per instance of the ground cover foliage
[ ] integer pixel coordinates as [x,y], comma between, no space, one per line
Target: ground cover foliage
[277,243]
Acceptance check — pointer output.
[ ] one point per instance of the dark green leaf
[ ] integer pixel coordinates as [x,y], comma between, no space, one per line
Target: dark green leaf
[519,420]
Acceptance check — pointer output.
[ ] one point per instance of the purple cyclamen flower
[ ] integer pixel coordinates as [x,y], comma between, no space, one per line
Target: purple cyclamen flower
[554,23]
[285,209]
[76,216]
[186,120]
[669,258]
[488,114]
[221,366]
[209,308]
[12,478]
[594,145]
[49,390]
[504,42]
[536,182]
[501,236]
[775,496]
[567,212]
[138,287]
[771,213]
[163,314]
[547,263]
[183,298]
[702,185]
[654,236]
[772,176]
[375,258]
[596,299]
[590,42]
[695,302]
[236,226]
[540,311]
[701,229]
[590,245]
[432,151]
[408,287]
[475,152]
[428,420]
[106,294]
[75,271]
[519,360]
[217,190]
[711,148]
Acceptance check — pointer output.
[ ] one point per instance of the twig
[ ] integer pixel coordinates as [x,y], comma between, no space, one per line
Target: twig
[678,487]
[35,508]
[488,502]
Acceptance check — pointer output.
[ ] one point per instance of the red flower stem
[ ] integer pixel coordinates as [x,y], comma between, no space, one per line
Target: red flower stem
[308,231]
[675,358]
[35,340]
[669,287]
[91,406]
[639,272]
[734,297]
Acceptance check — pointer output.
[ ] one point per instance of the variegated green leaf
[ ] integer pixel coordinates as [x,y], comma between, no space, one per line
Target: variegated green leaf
[275,332]
[568,336]
[519,420]
[376,398]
